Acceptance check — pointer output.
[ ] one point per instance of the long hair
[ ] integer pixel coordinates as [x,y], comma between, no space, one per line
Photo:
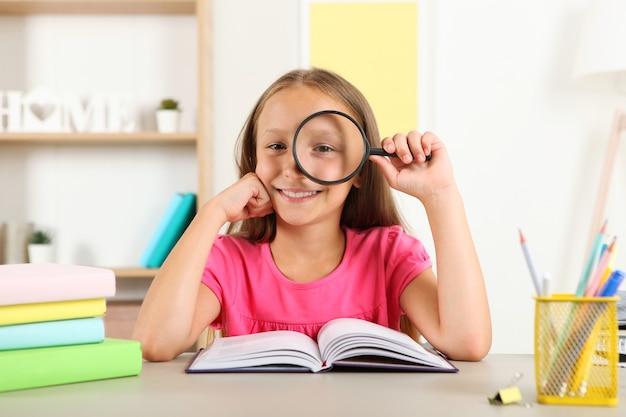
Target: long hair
[370,205]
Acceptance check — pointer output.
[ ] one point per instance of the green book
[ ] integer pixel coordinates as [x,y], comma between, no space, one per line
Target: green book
[42,367]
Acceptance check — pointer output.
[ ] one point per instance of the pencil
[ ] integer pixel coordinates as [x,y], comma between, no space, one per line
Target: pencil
[530,263]
[608,271]
[564,371]
[594,283]
[610,287]
[591,261]
[581,370]
[546,279]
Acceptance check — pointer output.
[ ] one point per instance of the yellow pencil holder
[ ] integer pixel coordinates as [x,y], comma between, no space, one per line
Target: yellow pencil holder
[576,354]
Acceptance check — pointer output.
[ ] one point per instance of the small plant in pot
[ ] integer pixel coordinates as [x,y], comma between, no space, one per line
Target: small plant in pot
[40,247]
[168,116]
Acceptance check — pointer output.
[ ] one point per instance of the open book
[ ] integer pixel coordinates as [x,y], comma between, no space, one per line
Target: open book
[343,342]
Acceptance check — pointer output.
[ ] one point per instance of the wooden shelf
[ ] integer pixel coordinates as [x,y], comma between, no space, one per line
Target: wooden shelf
[201,139]
[28,7]
[135,138]
[135,272]
[122,317]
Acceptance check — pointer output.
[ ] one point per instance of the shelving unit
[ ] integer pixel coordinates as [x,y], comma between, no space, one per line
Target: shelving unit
[201,138]
[130,273]
[25,7]
[86,139]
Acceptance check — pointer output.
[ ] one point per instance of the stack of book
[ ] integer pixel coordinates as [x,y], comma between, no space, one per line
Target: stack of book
[621,332]
[621,345]
[177,216]
[52,327]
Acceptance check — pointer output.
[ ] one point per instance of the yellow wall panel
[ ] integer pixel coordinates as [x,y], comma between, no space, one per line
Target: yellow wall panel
[373,45]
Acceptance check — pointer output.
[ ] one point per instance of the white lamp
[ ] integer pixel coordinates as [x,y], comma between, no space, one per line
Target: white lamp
[601,63]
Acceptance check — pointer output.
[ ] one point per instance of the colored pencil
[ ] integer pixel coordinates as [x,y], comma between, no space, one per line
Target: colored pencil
[530,263]
[594,283]
[591,261]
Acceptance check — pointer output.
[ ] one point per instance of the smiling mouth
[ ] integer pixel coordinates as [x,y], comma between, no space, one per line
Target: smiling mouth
[299,194]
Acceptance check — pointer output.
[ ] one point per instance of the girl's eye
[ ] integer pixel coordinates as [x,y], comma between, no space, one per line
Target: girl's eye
[277,146]
[323,148]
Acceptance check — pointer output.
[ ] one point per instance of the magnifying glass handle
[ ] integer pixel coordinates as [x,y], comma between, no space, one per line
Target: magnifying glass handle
[382,152]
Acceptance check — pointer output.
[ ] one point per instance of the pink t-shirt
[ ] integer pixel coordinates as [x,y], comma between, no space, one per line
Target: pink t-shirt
[255,296]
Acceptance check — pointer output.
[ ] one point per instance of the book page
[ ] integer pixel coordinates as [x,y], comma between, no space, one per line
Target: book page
[348,337]
[268,348]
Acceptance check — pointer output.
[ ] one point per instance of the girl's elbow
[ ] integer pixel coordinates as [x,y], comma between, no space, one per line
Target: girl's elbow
[477,352]
[476,341]
[154,352]
[469,346]
[154,349]
[473,349]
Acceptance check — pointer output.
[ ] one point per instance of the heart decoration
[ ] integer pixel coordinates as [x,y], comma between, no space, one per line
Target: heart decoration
[42,110]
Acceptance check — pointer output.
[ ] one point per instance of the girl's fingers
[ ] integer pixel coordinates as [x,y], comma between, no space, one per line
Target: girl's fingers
[411,147]
[402,148]
[260,205]
[416,143]
[388,145]
[387,168]
[429,139]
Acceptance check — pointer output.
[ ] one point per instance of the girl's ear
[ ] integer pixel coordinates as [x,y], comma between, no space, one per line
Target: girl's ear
[357,181]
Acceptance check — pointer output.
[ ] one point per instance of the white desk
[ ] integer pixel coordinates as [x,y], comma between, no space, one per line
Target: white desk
[163,389]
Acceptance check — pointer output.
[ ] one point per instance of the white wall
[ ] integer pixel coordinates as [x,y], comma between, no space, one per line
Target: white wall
[528,145]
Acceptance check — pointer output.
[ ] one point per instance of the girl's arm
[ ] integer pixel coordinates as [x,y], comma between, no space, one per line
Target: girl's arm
[451,311]
[178,307]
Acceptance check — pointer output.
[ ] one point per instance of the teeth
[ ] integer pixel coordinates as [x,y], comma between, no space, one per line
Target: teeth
[291,194]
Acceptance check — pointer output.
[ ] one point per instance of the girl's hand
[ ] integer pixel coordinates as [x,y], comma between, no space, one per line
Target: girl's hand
[410,172]
[245,199]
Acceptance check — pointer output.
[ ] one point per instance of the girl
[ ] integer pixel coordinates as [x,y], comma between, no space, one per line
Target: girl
[298,254]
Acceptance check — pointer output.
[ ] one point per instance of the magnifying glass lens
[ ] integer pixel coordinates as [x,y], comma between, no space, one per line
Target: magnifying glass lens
[329,147]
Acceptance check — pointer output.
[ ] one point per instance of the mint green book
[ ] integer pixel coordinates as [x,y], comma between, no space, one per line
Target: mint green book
[42,367]
[184,214]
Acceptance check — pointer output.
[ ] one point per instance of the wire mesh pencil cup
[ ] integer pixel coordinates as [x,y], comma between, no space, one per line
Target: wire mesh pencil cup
[576,350]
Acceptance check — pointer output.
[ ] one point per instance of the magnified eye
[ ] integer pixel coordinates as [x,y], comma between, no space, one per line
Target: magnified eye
[329,147]
[324,149]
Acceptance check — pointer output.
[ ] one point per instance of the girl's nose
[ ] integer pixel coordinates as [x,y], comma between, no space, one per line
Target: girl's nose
[290,168]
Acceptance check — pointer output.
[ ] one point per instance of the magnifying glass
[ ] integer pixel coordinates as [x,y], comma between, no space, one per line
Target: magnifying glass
[330,147]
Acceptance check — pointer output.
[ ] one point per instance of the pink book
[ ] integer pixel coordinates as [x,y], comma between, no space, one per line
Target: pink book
[46,282]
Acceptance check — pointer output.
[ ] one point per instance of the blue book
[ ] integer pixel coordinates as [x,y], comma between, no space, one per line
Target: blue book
[52,333]
[185,212]
[158,233]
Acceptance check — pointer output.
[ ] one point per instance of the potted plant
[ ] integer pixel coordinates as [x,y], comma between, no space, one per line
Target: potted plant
[168,115]
[40,247]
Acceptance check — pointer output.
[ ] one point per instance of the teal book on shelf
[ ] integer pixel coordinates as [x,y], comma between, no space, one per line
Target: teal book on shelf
[158,233]
[52,333]
[174,229]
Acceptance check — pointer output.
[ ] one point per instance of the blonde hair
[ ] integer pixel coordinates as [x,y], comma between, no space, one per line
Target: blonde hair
[370,205]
